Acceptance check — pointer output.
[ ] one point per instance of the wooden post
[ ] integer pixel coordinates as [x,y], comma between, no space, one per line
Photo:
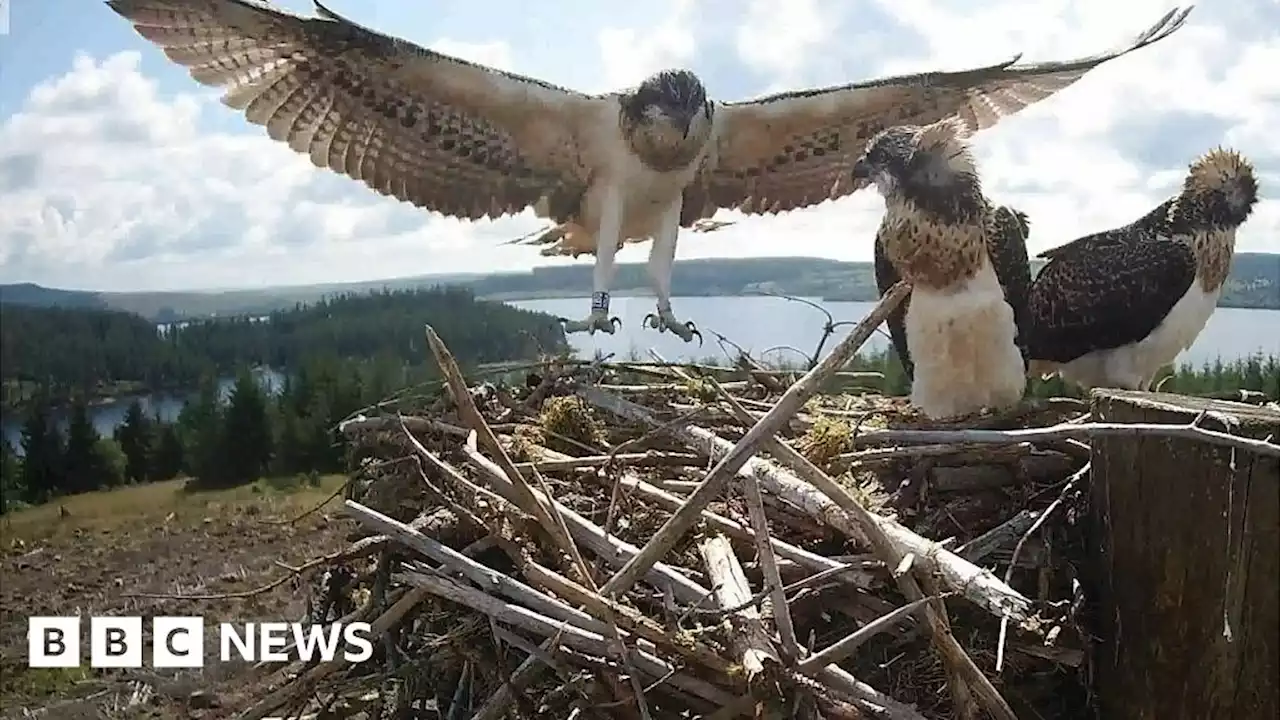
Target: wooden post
[1186,564]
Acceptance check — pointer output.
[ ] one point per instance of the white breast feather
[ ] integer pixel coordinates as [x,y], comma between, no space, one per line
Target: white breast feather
[962,342]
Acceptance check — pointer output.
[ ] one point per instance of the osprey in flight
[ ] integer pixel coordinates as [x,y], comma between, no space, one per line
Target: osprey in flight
[1112,308]
[470,141]
[958,334]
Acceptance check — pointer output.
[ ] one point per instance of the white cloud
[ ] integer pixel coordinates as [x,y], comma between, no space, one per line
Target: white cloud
[629,55]
[1095,155]
[107,182]
[778,40]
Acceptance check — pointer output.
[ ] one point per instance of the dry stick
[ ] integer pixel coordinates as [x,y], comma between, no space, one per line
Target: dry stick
[733,594]
[963,671]
[571,635]
[871,455]
[1073,431]
[712,486]
[302,685]
[612,550]
[568,462]
[828,568]
[551,521]
[964,674]
[477,573]
[467,409]
[976,584]
[563,587]
[842,649]
[1017,550]
[997,537]
[788,646]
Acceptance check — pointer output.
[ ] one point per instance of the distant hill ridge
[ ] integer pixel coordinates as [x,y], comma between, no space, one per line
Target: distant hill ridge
[1254,283]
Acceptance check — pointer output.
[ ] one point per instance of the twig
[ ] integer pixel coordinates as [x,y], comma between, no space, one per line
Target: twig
[977,585]
[1017,550]
[316,507]
[828,568]
[750,641]
[1071,431]
[679,523]
[847,646]
[572,635]
[789,648]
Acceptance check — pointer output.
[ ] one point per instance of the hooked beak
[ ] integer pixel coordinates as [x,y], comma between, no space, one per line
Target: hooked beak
[861,169]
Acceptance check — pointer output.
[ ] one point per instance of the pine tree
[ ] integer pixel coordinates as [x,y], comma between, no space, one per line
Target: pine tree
[84,466]
[42,451]
[247,431]
[200,427]
[11,490]
[166,452]
[134,436]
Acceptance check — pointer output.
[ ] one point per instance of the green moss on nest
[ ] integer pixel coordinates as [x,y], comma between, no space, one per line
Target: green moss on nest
[569,417]
[825,439]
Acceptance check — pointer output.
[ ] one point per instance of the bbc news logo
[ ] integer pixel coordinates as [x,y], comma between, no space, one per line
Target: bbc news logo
[178,642]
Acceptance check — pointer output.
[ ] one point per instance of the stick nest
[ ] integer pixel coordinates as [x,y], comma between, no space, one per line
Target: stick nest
[494,602]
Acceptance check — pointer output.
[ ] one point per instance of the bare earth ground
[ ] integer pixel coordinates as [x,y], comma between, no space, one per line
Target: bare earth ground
[153,539]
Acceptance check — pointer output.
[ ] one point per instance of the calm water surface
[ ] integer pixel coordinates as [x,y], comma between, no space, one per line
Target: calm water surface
[757,324]
[761,323]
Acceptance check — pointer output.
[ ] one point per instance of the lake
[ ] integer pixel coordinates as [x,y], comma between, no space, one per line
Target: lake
[755,323]
[761,323]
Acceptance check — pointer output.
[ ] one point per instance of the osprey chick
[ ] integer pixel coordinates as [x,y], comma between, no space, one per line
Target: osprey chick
[470,141]
[966,261]
[1112,308]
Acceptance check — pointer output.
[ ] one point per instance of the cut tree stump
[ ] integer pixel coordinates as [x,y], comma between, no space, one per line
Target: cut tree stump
[1186,564]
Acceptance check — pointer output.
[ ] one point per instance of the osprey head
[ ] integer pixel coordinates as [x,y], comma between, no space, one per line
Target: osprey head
[1221,188]
[674,98]
[911,159]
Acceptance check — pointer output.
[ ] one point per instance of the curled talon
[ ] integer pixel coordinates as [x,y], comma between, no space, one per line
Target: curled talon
[651,320]
[694,331]
[615,322]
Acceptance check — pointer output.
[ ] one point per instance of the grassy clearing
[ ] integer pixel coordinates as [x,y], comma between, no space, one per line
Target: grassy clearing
[159,538]
[107,510]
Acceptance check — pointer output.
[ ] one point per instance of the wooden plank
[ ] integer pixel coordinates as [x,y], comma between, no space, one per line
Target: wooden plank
[1186,565]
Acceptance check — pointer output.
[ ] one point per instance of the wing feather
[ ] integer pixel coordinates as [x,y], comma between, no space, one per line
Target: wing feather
[426,128]
[795,149]
[1007,246]
[886,277]
[1106,290]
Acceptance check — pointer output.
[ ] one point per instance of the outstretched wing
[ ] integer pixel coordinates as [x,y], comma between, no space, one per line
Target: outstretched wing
[1104,291]
[1007,245]
[886,277]
[795,149]
[433,130]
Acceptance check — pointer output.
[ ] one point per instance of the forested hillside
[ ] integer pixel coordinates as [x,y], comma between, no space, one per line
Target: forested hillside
[68,351]
[1254,283]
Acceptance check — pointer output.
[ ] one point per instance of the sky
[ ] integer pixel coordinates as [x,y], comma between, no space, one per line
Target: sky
[119,172]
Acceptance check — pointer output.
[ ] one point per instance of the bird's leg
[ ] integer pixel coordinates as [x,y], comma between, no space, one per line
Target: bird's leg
[662,259]
[607,237]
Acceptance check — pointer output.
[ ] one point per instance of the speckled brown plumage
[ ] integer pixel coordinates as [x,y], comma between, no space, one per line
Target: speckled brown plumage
[939,228]
[1005,243]
[1110,289]
[470,141]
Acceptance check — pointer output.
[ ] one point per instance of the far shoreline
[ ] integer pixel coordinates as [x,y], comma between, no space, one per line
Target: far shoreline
[646,292]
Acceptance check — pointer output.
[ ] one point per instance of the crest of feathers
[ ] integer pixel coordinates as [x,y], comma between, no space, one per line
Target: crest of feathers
[941,177]
[943,146]
[1220,188]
